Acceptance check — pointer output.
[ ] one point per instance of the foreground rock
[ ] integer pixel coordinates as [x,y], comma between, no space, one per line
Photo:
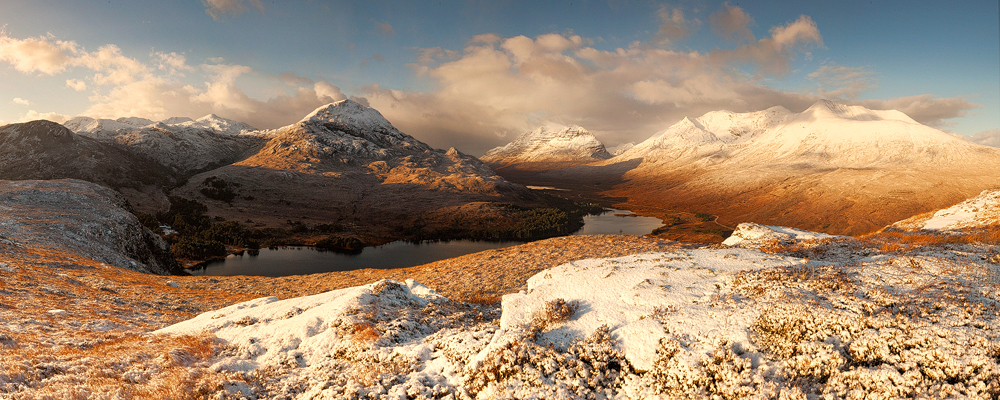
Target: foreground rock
[79,219]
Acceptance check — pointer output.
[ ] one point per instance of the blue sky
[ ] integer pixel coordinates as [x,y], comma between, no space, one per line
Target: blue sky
[472,74]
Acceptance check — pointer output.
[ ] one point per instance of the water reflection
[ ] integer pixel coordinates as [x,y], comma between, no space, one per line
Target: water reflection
[296,260]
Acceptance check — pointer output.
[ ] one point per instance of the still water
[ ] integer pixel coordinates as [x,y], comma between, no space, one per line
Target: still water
[295,260]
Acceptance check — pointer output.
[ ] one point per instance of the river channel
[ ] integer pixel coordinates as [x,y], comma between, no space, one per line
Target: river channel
[299,260]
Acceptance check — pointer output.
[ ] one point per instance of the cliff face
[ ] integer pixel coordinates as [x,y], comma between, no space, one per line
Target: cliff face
[80,219]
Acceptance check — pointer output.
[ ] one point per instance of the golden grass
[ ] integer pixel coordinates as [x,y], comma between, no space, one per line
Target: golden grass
[119,365]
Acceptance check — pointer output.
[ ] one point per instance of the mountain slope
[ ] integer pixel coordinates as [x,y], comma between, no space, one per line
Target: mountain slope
[47,150]
[831,168]
[74,218]
[547,148]
[980,212]
[184,145]
[345,164]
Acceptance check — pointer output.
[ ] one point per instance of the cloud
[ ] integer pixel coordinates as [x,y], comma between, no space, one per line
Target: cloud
[18,100]
[838,81]
[498,87]
[50,56]
[925,109]
[385,29]
[218,9]
[987,138]
[76,85]
[157,97]
[33,115]
[43,54]
[731,23]
[673,26]
[773,55]
[173,63]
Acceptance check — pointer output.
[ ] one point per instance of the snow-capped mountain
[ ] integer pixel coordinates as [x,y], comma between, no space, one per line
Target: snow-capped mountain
[345,161]
[833,167]
[547,147]
[621,148]
[826,133]
[47,150]
[182,144]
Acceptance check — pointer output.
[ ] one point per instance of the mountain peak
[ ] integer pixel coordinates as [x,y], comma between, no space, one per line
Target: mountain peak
[829,109]
[348,113]
[550,144]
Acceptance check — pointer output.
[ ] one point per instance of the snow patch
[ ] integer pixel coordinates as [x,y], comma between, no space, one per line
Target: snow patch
[751,235]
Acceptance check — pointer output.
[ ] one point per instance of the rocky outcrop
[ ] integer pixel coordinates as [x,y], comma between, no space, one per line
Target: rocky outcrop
[73,218]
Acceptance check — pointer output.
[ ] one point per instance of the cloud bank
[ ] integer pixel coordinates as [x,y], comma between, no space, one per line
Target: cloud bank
[492,89]
[123,86]
[496,88]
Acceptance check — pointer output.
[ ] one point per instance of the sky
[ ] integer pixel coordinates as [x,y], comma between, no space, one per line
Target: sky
[475,74]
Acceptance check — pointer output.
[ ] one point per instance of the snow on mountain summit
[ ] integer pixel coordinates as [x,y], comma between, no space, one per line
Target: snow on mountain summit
[826,133]
[572,145]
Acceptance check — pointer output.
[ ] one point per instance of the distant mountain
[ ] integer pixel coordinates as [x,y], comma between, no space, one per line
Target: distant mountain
[547,148]
[184,145]
[621,148]
[832,168]
[345,163]
[47,150]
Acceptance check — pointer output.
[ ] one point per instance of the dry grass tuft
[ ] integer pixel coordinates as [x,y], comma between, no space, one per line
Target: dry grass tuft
[117,365]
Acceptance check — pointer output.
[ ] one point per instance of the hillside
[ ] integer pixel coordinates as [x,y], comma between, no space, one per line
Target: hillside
[547,148]
[781,313]
[47,150]
[832,168]
[185,146]
[344,165]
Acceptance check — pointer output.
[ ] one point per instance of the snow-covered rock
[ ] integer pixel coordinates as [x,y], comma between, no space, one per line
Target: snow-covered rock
[982,211]
[563,145]
[640,298]
[267,331]
[751,235]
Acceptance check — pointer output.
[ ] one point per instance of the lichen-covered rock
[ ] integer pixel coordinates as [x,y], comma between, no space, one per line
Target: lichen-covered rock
[80,219]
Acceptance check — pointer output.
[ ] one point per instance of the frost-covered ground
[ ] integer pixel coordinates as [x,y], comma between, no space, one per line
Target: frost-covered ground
[810,317]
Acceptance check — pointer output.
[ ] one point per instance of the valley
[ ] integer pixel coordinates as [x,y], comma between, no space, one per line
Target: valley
[885,265]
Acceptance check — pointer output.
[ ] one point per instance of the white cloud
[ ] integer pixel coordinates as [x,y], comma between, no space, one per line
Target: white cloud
[159,97]
[987,138]
[33,115]
[48,55]
[925,108]
[218,9]
[44,54]
[18,100]
[496,88]
[173,63]
[76,85]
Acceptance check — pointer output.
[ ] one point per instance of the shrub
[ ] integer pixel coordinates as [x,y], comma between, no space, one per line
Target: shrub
[198,249]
